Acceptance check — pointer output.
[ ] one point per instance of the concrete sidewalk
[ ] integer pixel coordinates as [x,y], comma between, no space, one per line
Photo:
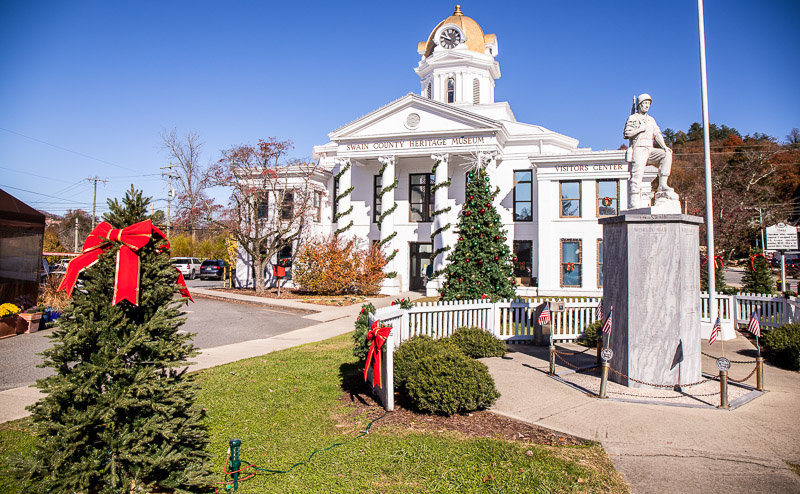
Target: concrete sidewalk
[663,448]
[331,321]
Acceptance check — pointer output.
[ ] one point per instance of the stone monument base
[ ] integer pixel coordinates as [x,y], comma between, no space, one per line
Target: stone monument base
[651,276]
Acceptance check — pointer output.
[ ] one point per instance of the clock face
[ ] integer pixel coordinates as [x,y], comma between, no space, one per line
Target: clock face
[449,38]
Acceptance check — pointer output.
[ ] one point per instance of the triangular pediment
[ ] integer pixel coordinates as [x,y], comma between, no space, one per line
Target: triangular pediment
[414,115]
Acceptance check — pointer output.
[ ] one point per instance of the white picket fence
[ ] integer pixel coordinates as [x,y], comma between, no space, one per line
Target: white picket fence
[515,320]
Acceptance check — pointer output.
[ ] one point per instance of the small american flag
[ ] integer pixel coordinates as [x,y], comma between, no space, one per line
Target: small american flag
[715,332]
[598,312]
[607,324]
[754,326]
[544,317]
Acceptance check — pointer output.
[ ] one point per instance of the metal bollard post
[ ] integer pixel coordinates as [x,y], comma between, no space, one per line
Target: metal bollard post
[760,374]
[599,349]
[552,360]
[603,380]
[723,389]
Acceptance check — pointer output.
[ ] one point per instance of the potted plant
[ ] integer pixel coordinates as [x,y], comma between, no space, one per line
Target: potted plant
[9,319]
[33,319]
[51,299]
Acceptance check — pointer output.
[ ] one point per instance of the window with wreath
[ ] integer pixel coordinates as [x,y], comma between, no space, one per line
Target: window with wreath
[570,263]
[599,262]
[523,195]
[570,193]
[376,197]
[607,197]
[451,90]
[523,251]
[420,197]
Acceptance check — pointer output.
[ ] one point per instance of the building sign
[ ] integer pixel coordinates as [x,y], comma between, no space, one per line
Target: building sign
[781,237]
[594,168]
[410,144]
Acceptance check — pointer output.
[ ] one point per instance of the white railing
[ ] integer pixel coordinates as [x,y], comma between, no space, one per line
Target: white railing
[773,310]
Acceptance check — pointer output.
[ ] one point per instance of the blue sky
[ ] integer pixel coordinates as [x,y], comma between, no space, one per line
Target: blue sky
[86,87]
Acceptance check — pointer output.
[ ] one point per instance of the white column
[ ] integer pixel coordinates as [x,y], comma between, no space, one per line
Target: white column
[344,183]
[440,198]
[390,286]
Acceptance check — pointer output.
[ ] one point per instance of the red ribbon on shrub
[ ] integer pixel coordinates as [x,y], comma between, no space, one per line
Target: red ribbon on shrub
[753,258]
[718,260]
[126,280]
[378,335]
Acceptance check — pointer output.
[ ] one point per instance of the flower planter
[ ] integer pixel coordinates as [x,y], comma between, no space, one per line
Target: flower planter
[8,325]
[32,322]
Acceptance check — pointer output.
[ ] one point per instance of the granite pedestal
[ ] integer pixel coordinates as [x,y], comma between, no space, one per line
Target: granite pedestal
[651,277]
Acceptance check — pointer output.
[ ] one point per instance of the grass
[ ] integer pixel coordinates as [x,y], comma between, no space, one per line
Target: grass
[286,404]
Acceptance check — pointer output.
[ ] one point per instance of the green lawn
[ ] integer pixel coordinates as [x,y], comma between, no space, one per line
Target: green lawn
[286,404]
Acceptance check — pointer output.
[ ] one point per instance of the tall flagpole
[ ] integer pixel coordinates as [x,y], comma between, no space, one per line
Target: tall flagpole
[712,289]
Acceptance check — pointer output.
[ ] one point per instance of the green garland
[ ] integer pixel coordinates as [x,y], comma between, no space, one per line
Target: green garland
[340,196]
[436,213]
[385,214]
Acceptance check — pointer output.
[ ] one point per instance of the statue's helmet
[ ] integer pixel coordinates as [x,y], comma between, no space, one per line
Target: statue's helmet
[643,97]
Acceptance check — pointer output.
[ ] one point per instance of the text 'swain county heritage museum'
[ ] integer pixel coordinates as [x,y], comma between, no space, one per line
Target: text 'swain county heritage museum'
[551,191]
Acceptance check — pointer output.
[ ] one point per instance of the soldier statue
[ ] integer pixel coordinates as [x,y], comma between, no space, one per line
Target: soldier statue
[641,130]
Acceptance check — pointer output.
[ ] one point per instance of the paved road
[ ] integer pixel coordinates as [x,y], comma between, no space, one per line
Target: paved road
[215,323]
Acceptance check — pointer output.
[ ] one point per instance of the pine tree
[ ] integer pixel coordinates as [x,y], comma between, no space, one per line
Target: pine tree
[120,412]
[481,262]
[720,285]
[758,276]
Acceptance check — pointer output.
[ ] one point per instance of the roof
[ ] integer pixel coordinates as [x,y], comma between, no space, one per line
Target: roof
[16,214]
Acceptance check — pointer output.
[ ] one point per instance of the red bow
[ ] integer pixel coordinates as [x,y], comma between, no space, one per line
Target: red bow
[132,238]
[570,266]
[378,334]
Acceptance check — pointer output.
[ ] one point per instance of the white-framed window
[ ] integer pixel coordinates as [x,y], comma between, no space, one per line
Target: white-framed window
[523,195]
[451,90]
[288,205]
[570,193]
[262,210]
[420,197]
[523,251]
[607,197]
[377,182]
[571,257]
[600,263]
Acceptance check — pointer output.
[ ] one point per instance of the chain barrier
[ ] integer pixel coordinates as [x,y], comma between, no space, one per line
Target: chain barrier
[658,385]
[558,354]
[731,361]
[661,397]
[569,354]
[746,378]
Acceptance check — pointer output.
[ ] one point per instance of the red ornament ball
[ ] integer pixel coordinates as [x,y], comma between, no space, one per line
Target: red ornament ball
[480,261]
[470,197]
[461,279]
[488,205]
[466,260]
[497,237]
[460,239]
[504,238]
[479,282]
[481,235]
[468,213]
[483,210]
[496,258]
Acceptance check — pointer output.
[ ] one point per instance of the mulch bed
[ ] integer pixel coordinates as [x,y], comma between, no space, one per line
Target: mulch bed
[476,424]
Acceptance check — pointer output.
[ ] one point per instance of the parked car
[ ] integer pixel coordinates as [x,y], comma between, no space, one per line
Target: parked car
[188,266]
[214,269]
[792,260]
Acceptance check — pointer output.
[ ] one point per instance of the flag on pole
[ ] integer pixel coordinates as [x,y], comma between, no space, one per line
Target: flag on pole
[754,326]
[607,324]
[544,317]
[598,312]
[715,332]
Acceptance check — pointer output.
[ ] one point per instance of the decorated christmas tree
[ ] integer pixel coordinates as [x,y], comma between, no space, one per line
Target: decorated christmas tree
[119,415]
[480,265]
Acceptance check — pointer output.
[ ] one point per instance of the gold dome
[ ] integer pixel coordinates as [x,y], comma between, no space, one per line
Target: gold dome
[476,40]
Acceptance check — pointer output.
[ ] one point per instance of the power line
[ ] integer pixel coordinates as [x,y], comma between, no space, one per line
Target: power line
[38,193]
[68,150]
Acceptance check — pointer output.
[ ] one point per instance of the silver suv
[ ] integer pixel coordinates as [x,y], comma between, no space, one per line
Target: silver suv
[188,266]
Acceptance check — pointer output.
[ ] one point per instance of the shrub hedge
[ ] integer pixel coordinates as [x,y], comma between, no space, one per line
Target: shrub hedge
[590,333]
[477,343]
[782,346]
[410,352]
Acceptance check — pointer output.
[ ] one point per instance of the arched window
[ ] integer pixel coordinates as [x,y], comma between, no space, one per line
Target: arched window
[451,90]
[476,91]
[429,91]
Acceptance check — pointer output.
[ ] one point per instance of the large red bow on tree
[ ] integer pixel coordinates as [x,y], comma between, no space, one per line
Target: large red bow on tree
[753,258]
[126,281]
[378,334]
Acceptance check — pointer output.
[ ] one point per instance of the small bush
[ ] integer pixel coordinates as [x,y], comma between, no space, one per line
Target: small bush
[410,352]
[335,266]
[450,382]
[782,346]
[590,334]
[477,343]
[360,345]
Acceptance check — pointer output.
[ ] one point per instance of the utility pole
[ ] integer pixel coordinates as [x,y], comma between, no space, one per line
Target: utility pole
[76,235]
[169,198]
[94,200]
[760,227]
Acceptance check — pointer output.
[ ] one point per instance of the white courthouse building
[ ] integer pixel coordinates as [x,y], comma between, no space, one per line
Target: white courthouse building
[552,192]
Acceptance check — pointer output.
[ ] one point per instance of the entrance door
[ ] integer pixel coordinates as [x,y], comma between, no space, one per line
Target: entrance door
[420,259]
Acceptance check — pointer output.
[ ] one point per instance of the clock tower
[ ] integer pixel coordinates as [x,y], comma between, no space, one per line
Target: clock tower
[458,64]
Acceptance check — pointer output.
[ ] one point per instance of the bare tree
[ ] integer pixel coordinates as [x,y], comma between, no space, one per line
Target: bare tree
[191,199]
[271,201]
[793,137]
